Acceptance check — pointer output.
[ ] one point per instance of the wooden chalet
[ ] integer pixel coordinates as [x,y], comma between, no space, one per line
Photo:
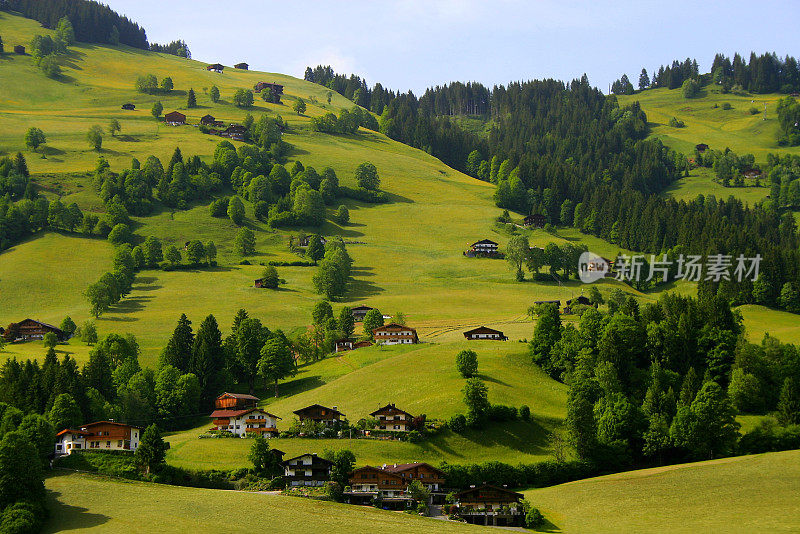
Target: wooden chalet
[701,147]
[239,414]
[235,131]
[20,50]
[390,484]
[484,247]
[320,414]
[307,470]
[359,312]
[429,476]
[128,107]
[175,118]
[577,301]
[752,173]
[276,88]
[390,417]
[100,435]
[395,334]
[31,329]
[303,241]
[490,505]
[242,66]
[216,67]
[537,220]
[210,120]
[483,332]
[362,345]
[540,302]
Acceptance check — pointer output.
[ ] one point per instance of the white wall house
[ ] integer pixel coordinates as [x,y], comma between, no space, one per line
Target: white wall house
[101,435]
[243,422]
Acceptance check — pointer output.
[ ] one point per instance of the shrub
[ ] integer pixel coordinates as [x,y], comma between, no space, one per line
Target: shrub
[534,518]
[524,412]
[690,88]
[457,423]
[414,437]
[467,363]
[754,110]
[727,106]
[219,208]
[675,123]
[500,413]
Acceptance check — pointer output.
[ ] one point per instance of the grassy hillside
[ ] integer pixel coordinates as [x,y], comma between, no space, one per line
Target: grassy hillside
[95,504]
[419,380]
[746,494]
[410,259]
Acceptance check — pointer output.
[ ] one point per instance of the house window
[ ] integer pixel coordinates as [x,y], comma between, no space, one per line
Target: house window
[397,427]
[108,444]
[119,443]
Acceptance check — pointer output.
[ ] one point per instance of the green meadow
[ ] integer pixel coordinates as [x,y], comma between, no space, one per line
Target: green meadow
[88,503]
[759,493]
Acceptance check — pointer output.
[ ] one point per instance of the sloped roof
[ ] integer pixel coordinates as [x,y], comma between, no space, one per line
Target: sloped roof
[489,486]
[482,330]
[399,468]
[237,413]
[302,410]
[312,454]
[391,406]
[242,396]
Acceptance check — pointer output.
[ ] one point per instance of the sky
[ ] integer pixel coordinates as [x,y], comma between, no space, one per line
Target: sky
[415,44]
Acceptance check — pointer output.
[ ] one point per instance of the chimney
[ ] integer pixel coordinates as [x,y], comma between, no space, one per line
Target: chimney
[335,408]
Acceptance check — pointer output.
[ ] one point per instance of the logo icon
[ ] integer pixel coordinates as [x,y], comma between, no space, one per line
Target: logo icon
[592,267]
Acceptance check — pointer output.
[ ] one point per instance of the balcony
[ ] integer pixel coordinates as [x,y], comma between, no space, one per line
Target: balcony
[267,429]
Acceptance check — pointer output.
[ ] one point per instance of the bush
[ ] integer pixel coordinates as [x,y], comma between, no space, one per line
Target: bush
[524,412]
[754,110]
[219,208]
[364,195]
[457,423]
[727,106]
[675,123]
[467,363]
[690,88]
[499,413]
[534,518]
[414,437]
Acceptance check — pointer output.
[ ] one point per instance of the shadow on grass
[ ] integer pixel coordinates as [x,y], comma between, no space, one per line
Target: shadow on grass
[66,517]
[362,289]
[50,151]
[290,388]
[528,437]
[129,305]
[548,526]
[493,380]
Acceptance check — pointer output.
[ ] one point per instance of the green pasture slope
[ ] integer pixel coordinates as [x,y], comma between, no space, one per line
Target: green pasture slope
[409,253]
[420,380]
[759,493]
[736,128]
[88,503]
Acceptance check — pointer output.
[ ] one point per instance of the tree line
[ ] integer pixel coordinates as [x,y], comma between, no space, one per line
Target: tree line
[93,22]
[663,383]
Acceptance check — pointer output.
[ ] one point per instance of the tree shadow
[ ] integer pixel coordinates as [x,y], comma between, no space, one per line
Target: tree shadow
[67,517]
[362,271]
[130,304]
[50,151]
[493,380]
[394,197]
[291,387]
[362,289]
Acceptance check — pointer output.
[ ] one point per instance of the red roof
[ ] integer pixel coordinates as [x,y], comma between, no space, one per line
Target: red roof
[72,431]
[238,396]
[236,413]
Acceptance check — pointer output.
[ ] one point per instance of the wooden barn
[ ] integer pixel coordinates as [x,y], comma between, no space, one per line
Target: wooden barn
[19,49]
[30,329]
[175,118]
[537,220]
[129,107]
[484,247]
[216,67]
[701,147]
[241,66]
[276,88]
[210,120]
[490,505]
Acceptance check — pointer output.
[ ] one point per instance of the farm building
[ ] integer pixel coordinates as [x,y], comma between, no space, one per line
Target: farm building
[537,220]
[238,414]
[304,240]
[390,417]
[235,131]
[320,414]
[19,49]
[752,173]
[362,345]
[484,333]
[30,329]
[216,67]
[101,435]
[241,66]
[359,312]
[484,247]
[701,147]
[175,118]
[577,301]
[210,120]
[343,345]
[276,88]
[128,107]
[307,470]
[395,334]
[490,505]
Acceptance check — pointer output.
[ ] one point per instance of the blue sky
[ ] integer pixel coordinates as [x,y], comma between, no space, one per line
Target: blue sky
[414,44]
